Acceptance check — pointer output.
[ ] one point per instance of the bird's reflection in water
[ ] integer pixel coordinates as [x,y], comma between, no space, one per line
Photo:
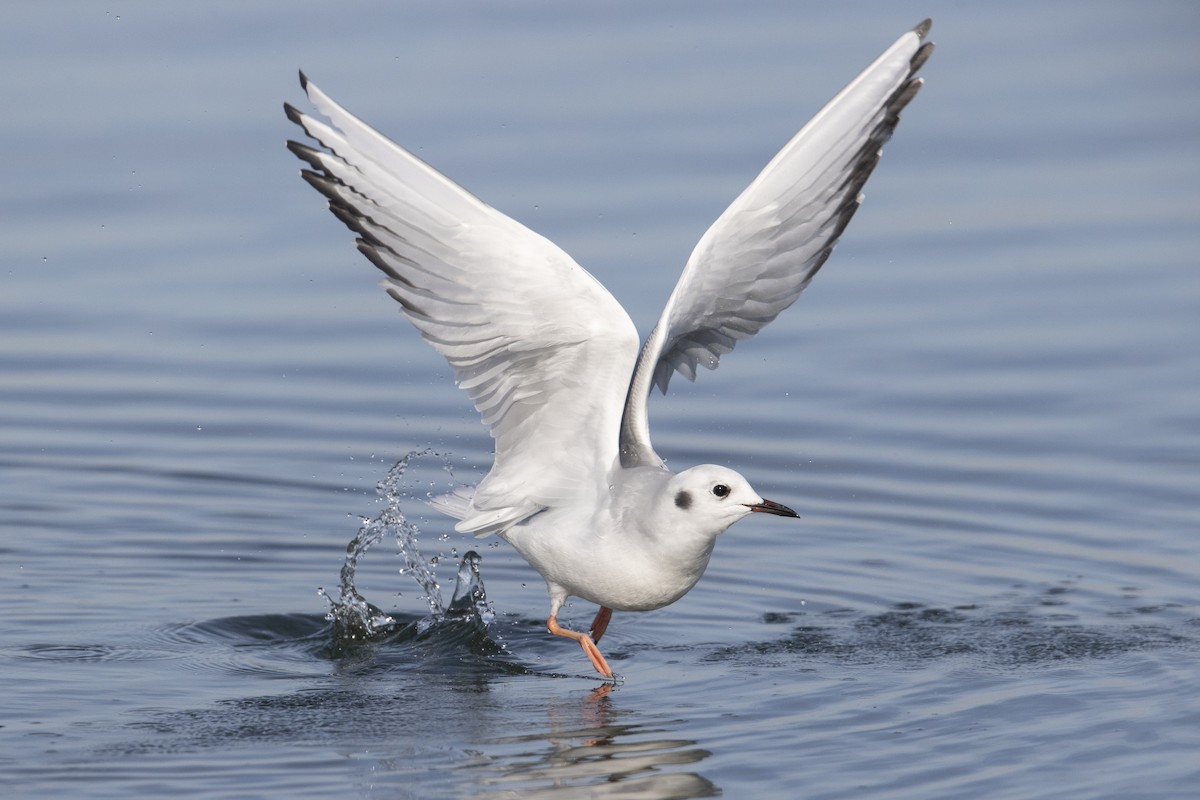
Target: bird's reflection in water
[586,752]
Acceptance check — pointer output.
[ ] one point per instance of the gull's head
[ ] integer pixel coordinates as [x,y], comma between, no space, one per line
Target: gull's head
[712,498]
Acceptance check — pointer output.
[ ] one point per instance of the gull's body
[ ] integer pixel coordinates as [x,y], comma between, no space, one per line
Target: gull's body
[552,361]
[651,562]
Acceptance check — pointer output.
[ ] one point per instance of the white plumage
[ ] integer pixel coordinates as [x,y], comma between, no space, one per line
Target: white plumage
[551,360]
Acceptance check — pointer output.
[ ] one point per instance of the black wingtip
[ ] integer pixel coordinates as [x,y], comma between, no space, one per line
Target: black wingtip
[303,81]
[305,153]
[923,28]
[293,113]
[904,96]
[920,57]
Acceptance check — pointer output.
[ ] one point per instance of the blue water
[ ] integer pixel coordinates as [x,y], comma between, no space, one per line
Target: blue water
[984,408]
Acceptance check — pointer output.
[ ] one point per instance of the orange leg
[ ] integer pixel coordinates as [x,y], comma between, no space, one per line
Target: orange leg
[585,641]
[600,623]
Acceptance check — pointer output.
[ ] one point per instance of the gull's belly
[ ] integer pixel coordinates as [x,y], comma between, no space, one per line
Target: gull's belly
[622,586]
[622,572]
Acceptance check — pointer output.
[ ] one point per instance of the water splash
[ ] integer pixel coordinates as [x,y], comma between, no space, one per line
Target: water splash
[470,598]
[356,619]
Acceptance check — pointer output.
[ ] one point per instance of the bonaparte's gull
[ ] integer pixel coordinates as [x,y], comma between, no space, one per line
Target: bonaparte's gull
[551,360]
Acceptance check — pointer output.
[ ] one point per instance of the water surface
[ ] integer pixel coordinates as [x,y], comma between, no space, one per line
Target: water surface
[984,409]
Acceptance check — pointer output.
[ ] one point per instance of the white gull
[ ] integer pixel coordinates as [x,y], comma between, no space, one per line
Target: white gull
[552,362]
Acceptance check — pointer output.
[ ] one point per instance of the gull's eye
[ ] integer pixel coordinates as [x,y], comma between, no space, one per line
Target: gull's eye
[721,490]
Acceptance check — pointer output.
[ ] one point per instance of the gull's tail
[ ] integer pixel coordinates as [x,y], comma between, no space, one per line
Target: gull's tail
[455,503]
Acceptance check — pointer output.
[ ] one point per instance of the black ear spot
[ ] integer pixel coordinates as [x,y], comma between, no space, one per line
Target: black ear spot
[683,500]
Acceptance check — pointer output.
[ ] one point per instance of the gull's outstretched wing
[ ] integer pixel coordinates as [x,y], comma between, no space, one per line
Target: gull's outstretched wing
[764,249]
[544,351]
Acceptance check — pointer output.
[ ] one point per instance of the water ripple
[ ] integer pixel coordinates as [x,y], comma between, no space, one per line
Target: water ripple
[987,638]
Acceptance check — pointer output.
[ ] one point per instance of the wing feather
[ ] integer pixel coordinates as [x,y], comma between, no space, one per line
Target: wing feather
[542,349]
[764,249]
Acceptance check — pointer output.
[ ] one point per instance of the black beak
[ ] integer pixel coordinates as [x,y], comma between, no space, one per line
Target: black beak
[771,507]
